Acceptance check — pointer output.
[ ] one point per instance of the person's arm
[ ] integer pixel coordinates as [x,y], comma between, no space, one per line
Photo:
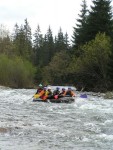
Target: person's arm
[73,94]
[64,94]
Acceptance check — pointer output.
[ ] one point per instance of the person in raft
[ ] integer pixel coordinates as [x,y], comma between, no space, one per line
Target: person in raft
[69,92]
[39,89]
[56,93]
[43,93]
[62,93]
[49,93]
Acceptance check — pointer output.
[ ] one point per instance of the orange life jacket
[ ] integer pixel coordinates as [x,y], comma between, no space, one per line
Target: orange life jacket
[70,93]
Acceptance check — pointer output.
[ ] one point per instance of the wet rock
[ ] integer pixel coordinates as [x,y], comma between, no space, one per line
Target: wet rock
[108,95]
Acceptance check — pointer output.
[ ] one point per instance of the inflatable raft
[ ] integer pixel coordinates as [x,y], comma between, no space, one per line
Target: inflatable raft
[59,100]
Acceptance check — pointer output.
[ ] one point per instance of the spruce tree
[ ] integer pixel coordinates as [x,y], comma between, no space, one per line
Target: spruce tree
[38,38]
[99,19]
[37,45]
[50,44]
[28,40]
[78,37]
[59,41]
[66,41]
[19,40]
[22,40]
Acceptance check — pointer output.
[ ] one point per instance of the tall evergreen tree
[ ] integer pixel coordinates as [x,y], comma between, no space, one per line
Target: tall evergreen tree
[19,40]
[47,50]
[60,44]
[99,19]
[66,41]
[38,38]
[78,37]
[16,31]
[37,45]
[50,44]
[28,40]
[16,42]
[22,40]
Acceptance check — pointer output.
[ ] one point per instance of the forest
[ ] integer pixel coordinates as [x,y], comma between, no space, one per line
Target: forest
[84,61]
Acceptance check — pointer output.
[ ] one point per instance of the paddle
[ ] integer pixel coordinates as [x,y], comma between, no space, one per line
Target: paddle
[30,98]
[36,96]
[83,96]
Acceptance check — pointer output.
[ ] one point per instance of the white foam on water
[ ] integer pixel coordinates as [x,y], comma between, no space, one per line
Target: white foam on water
[82,121]
[88,107]
[41,124]
[108,122]
[106,137]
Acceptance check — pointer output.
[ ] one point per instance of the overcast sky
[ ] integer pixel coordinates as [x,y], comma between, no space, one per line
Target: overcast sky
[56,13]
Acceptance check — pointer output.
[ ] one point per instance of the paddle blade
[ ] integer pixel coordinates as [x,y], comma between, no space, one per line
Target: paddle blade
[36,96]
[83,96]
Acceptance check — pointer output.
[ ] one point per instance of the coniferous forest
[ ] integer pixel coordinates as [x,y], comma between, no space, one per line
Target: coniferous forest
[84,61]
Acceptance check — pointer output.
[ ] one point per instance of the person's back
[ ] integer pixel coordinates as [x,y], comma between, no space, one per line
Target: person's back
[39,92]
[63,92]
[57,91]
[39,89]
[43,93]
[69,92]
[49,93]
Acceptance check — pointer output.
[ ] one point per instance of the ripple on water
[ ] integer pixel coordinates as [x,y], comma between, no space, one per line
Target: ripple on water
[85,124]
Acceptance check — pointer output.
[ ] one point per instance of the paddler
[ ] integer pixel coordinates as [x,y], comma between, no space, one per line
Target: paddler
[69,92]
[39,89]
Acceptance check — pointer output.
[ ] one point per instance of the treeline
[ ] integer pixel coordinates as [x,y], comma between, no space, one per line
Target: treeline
[27,59]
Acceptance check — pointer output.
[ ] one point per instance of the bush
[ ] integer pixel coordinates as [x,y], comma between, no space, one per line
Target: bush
[16,72]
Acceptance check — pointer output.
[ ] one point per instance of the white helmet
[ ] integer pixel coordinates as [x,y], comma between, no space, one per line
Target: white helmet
[49,88]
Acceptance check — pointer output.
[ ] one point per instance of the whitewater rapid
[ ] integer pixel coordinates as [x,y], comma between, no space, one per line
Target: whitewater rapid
[25,125]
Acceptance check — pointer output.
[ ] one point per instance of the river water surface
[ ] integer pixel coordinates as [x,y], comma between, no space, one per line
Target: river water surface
[86,124]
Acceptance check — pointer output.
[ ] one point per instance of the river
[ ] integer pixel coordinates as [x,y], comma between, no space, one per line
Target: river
[86,124]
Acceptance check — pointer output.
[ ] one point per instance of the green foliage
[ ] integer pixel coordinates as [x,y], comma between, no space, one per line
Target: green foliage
[38,75]
[54,59]
[61,41]
[79,32]
[110,69]
[16,72]
[50,46]
[43,47]
[91,67]
[56,72]
[37,46]
[6,46]
[22,41]
[99,19]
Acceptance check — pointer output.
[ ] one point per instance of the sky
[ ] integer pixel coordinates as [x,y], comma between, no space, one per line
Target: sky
[45,13]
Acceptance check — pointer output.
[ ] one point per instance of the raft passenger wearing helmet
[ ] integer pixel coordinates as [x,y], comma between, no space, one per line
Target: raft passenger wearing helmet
[69,92]
[49,93]
[62,93]
[56,93]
